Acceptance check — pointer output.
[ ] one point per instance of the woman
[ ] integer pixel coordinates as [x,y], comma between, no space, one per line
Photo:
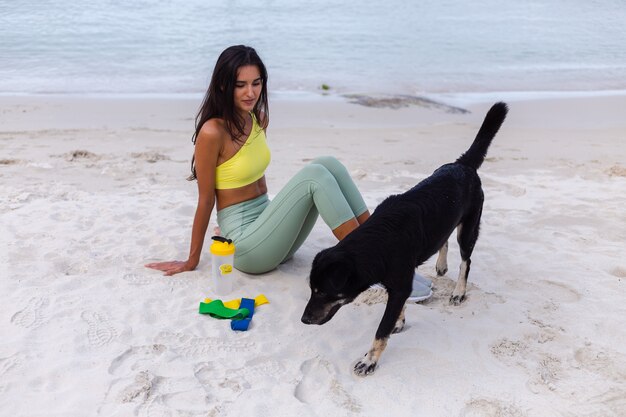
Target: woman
[229,163]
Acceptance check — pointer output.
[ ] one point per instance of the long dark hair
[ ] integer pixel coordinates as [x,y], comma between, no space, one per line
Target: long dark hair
[218,100]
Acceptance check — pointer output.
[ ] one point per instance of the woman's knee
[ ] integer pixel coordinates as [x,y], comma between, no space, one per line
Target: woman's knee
[332,164]
[327,161]
[317,173]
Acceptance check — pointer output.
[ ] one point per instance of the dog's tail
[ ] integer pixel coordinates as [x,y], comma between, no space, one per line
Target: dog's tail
[475,155]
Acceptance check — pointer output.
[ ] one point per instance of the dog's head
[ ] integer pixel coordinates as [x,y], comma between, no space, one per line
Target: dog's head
[334,283]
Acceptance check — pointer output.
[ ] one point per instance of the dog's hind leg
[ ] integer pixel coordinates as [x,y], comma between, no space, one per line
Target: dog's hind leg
[467,235]
[458,295]
[442,260]
[393,313]
[400,322]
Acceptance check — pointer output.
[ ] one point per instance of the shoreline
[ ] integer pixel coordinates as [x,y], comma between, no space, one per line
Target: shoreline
[457,97]
[586,110]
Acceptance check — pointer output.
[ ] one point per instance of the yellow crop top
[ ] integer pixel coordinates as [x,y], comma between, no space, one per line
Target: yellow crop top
[248,164]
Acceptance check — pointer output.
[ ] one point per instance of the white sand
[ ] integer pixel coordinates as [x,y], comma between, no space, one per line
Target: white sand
[87,330]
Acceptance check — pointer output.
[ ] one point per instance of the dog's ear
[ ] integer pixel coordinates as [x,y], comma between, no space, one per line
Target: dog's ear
[330,271]
[339,268]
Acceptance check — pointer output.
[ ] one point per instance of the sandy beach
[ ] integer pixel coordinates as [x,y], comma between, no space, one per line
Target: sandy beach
[92,188]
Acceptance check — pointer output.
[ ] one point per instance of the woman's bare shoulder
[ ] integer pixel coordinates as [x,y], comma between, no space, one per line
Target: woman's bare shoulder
[212,132]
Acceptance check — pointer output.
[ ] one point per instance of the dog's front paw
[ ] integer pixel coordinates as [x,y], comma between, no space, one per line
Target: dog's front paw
[364,366]
[457,299]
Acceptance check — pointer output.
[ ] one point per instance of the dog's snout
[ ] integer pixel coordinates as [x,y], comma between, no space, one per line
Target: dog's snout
[306,319]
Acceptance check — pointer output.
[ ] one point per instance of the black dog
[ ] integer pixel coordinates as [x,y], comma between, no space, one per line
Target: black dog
[402,233]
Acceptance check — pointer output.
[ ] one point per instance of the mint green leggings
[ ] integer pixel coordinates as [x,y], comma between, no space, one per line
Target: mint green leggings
[267,233]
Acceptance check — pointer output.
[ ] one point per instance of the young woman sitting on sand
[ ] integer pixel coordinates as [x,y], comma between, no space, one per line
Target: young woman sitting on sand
[230,158]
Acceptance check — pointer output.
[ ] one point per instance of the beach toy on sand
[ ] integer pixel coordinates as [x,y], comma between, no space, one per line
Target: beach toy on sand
[239,310]
[259,300]
[216,309]
[243,324]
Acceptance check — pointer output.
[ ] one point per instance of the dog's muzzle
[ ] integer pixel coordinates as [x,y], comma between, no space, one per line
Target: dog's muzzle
[319,312]
[307,319]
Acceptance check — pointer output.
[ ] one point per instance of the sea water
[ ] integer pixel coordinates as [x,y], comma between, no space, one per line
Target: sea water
[390,46]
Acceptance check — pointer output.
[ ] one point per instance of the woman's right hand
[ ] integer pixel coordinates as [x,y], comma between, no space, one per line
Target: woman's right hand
[172,267]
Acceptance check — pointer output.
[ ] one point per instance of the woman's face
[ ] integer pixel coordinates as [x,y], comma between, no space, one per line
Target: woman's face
[247,88]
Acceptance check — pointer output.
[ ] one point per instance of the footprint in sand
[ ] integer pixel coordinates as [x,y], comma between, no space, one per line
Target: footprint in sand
[224,385]
[8,364]
[604,362]
[220,383]
[611,402]
[100,332]
[177,396]
[204,372]
[482,407]
[141,383]
[508,348]
[140,390]
[11,363]
[544,369]
[254,373]
[546,332]
[319,386]
[546,375]
[193,346]
[135,356]
[618,271]
[261,368]
[31,316]
[138,279]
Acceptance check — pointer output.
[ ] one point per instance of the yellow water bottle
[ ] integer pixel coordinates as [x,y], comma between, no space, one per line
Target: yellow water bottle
[222,256]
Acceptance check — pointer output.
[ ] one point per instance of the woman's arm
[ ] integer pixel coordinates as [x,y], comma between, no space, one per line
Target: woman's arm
[208,145]
[207,151]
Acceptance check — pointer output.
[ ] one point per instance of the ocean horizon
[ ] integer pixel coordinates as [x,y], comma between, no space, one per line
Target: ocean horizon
[399,47]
